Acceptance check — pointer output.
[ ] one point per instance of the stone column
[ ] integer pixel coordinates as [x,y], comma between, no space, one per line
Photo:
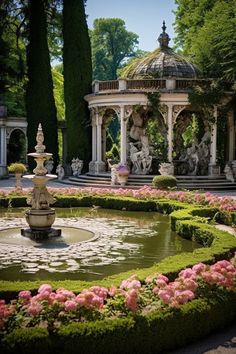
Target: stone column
[231,136]
[125,113]
[94,143]
[123,128]
[170,132]
[3,151]
[214,169]
[99,164]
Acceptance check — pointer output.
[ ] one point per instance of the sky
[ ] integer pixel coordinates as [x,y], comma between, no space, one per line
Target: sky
[143,17]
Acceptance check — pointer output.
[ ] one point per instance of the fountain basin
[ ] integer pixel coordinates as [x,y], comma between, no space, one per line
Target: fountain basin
[40,219]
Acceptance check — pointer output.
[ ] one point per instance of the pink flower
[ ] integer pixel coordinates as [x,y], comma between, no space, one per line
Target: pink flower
[187,273]
[25,295]
[70,305]
[45,287]
[160,283]
[198,268]
[34,308]
[113,291]
[131,298]
[131,283]
[184,296]
[165,296]
[100,291]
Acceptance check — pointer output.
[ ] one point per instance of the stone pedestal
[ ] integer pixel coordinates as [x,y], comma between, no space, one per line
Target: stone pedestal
[213,169]
[100,166]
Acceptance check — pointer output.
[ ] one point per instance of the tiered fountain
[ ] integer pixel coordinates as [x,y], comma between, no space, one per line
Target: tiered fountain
[40,217]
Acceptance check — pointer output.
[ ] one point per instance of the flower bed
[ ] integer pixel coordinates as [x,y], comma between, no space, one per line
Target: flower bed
[58,311]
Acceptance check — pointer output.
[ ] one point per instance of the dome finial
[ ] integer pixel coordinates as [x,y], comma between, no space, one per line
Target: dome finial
[164,37]
[164,27]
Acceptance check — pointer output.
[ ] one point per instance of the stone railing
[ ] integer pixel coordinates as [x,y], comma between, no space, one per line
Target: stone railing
[146,84]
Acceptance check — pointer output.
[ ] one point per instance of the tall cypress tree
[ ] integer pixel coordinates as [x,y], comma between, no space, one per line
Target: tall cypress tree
[77,79]
[40,104]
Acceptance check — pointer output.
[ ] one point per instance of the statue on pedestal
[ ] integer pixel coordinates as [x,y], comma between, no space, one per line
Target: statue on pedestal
[60,171]
[76,166]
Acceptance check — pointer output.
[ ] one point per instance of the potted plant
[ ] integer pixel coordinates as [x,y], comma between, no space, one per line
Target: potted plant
[17,168]
[122,174]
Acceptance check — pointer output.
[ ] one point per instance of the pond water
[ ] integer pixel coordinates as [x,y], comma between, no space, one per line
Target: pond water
[121,241]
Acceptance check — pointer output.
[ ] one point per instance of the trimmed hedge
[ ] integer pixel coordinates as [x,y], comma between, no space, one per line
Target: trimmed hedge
[154,333]
[164,182]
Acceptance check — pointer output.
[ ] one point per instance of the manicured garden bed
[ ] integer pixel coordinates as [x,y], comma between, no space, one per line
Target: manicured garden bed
[151,322]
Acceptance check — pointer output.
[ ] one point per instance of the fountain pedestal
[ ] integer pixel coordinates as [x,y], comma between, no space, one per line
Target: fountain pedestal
[40,217]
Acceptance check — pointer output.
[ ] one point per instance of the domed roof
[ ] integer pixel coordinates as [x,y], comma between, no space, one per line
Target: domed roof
[162,63]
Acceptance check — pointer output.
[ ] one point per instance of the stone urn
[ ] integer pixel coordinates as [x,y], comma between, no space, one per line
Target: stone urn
[17,168]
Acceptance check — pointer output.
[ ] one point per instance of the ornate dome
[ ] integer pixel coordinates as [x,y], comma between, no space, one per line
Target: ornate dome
[162,63]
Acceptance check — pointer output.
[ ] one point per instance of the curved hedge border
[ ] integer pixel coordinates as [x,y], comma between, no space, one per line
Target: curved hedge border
[157,331]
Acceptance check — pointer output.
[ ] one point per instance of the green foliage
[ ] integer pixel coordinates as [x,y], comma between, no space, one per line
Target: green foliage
[206,31]
[40,104]
[164,182]
[191,131]
[124,69]
[17,168]
[58,91]
[12,61]
[111,45]
[77,79]
[157,332]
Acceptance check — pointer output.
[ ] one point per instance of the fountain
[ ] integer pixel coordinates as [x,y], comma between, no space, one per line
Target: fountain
[40,217]
[86,243]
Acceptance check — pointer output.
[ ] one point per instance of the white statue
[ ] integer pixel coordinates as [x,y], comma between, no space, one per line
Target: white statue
[49,165]
[166,169]
[134,157]
[228,173]
[141,159]
[192,159]
[114,174]
[76,166]
[137,129]
[60,172]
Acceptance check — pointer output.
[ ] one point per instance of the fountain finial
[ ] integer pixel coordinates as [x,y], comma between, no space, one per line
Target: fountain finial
[40,139]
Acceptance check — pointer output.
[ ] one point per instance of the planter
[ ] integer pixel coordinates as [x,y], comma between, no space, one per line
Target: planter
[18,180]
[122,177]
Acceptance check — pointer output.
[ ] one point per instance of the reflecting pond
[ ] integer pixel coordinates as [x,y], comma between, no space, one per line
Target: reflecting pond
[123,240]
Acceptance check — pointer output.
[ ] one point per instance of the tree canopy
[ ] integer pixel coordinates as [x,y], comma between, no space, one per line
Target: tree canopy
[206,32]
[111,45]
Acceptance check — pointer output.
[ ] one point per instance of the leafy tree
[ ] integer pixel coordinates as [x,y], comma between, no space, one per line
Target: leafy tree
[58,92]
[12,57]
[206,31]
[190,16]
[40,104]
[77,79]
[111,45]
[214,46]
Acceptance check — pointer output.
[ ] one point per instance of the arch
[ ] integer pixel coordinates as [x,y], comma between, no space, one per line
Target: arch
[111,134]
[16,146]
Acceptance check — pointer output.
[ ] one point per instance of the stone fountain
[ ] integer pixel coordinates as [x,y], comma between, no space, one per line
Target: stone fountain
[40,217]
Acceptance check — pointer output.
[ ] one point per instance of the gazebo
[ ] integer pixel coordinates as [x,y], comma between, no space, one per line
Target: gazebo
[165,79]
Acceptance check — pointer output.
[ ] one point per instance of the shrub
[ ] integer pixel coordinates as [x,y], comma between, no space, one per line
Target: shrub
[17,167]
[164,182]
